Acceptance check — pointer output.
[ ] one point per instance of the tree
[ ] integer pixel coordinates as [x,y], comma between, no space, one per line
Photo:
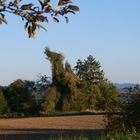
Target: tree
[57,87]
[63,79]
[109,98]
[21,99]
[67,92]
[70,90]
[3,105]
[89,70]
[56,60]
[93,96]
[42,83]
[33,14]
[50,100]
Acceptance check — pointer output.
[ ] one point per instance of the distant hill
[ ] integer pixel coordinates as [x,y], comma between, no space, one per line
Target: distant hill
[123,85]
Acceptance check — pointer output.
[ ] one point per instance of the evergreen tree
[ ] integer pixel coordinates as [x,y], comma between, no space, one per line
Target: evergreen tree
[89,70]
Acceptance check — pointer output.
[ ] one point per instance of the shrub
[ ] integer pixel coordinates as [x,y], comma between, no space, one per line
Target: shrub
[129,119]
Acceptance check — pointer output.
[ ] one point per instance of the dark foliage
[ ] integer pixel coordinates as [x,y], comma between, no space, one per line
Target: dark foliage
[129,119]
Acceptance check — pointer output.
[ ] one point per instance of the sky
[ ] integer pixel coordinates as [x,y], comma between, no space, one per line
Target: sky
[107,29]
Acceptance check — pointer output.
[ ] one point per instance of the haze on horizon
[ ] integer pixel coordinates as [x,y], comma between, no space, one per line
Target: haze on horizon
[108,30]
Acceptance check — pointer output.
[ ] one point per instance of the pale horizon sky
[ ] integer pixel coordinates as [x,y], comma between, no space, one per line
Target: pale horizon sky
[108,30]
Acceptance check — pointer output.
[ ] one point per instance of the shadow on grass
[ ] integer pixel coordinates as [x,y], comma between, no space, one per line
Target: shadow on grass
[46,134]
[56,114]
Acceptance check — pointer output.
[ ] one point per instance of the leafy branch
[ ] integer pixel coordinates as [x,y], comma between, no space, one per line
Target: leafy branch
[35,14]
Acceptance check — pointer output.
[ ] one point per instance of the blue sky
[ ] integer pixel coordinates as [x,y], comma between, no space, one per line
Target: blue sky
[107,29]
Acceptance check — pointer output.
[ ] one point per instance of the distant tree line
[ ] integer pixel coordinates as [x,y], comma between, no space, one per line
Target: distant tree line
[81,88]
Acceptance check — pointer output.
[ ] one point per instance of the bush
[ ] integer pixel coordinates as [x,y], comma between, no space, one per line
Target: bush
[129,119]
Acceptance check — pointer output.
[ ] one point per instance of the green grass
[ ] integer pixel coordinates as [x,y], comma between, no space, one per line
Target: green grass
[134,136]
[55,114]
[117,136]
[70,138]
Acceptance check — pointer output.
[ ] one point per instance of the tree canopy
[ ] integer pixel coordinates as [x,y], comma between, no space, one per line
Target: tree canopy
[34,13]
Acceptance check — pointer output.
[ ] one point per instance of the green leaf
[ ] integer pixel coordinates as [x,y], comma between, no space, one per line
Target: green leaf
[40,26]
[41,18]
[74,8]
[63,2]
[27,6]
[55,19]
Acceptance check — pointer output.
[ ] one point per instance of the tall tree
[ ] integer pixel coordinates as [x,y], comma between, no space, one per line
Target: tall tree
[57,88]
[89,70]
[70,88]
[64,81]
[56,60]
[34,13]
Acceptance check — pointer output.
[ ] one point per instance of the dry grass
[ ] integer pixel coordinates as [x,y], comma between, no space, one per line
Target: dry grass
[84,122]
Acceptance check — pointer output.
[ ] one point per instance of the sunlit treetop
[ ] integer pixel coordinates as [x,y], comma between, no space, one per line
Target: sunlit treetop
[33,14]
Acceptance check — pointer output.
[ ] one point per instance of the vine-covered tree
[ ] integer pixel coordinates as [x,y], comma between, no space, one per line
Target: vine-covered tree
[89,70]
[56,91]
[56,60]
[70,88]
[36,12]
[64,82]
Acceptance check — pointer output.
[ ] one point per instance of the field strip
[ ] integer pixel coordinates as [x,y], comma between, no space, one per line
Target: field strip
[84,122]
